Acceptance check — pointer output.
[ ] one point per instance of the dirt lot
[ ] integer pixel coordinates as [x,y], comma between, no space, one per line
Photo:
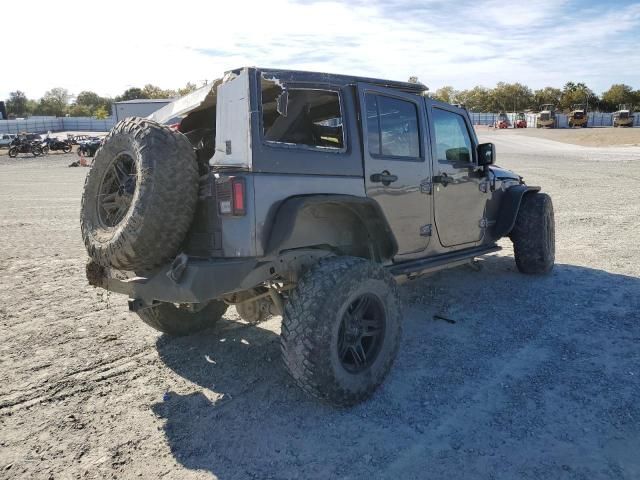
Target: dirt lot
[589,137]
[539,377]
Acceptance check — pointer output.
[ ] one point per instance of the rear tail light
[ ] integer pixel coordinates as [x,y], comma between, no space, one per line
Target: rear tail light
[237,188]
[230,193]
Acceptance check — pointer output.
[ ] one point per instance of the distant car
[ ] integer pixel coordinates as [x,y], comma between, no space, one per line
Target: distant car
[77,139]
[6,139]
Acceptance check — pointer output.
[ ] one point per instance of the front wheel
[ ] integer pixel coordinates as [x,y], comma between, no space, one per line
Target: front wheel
[180,320]
[66,148]
[341,329]
[36,151]
[13,152]
[533,235]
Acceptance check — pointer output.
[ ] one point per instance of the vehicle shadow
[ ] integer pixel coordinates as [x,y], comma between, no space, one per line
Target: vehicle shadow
[524,368]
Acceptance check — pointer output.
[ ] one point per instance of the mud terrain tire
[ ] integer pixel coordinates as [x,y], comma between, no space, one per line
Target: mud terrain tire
[533,234]
[179,321]
[161,185]
[317,315]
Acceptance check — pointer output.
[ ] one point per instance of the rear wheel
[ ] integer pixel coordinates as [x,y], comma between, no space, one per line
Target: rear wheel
[341,329]
[66,148]
[533,234]
[13,152]
[180,320]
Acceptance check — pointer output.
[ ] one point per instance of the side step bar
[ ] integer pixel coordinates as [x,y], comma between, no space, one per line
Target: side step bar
[414,268]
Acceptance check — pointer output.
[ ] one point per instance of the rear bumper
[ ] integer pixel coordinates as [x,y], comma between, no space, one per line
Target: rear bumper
[198,281]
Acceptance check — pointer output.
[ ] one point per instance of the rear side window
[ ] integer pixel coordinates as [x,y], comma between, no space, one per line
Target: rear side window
[312,118]
[392,127]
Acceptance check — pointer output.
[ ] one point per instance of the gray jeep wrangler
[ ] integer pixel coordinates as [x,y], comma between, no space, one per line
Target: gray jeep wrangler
[306,195]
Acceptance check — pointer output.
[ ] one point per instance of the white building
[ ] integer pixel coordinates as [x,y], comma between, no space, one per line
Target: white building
[141,107]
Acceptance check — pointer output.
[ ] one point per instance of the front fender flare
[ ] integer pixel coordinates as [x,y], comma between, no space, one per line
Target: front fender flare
[509,206]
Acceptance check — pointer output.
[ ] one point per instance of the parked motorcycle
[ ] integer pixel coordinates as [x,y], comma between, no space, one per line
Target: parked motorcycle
[88,148]
[54,145]
[24,146]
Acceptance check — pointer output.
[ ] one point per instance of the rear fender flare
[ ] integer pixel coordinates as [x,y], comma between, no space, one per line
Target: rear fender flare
[509,206]
[333,221]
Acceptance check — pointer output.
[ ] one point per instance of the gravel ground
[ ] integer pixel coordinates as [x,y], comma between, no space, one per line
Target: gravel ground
[538,378]
[592,137]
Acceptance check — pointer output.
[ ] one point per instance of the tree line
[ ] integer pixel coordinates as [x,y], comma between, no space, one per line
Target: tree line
[518,97]
[59,102]
[503,97]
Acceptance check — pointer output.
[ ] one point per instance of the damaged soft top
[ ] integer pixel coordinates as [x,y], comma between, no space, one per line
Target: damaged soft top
[291,109]
[200,99]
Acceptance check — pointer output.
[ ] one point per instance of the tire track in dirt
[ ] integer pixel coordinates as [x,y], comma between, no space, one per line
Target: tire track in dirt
[79,381]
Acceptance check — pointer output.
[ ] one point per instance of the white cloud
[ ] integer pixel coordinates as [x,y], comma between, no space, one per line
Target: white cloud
[109,46]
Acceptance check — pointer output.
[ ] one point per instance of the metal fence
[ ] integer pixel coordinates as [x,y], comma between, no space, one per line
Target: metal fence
[89,124]
[56,124]
[596,119]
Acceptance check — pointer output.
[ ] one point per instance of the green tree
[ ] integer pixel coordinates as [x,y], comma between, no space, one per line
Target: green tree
[445,94]
[101,113]
[547,95]
[88,99]
[478,99]
[17,104]
[618,94]
[509,97]
[152,91]
[93,101]
[187,89]
[576,93]
[133,93]
[78,110]
[54,102]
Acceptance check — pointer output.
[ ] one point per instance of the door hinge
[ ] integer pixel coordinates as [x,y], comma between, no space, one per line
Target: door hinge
[426,186]
[426,230]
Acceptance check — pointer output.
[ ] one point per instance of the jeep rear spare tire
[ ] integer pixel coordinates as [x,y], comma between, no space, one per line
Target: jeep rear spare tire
[139,197]
[341,329]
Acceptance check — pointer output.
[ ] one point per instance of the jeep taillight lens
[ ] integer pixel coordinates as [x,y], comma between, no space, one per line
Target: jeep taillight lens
[231,197]
[237,190]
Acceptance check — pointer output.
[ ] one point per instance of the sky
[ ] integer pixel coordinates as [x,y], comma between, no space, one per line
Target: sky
[109,46]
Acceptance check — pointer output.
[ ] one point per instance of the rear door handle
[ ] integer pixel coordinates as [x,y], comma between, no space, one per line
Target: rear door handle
[443,179]
[385,178]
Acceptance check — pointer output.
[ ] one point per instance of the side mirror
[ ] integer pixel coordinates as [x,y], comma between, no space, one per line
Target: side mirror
[486,154]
